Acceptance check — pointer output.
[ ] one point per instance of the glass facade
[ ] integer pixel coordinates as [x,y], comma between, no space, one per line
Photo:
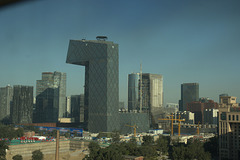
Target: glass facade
[51,97]
[101,96]
[152,96]
[141,120]
[189,93]
[6,95]
[133,94]
[152,91]
[77,108]
[22,110]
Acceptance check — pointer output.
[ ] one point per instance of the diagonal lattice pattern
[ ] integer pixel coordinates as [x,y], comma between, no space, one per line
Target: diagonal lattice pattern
[100,59]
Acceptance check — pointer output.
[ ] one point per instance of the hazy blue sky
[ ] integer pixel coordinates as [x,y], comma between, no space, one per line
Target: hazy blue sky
[184,40]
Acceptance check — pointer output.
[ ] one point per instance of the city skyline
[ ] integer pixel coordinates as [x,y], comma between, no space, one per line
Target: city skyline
[186,42]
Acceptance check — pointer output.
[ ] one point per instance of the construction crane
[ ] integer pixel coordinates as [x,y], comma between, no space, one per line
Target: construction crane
[134,129]
[171,123]
[171,119]
[174,119]
[179,124]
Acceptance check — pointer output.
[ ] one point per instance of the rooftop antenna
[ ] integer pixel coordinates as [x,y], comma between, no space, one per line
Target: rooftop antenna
[140,88]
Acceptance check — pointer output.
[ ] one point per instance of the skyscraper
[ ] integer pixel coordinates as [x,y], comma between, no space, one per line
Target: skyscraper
[6,95]
[189,93]
[100,58]
[152,95]
[133,91]
[77,108]
[51,97]
[22,109]
[152,90]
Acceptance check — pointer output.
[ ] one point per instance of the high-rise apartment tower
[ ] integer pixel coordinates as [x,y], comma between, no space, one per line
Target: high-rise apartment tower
[22,110]
[6,95]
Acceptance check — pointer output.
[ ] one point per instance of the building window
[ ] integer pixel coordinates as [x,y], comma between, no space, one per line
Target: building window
[237,117]
[233,117]
[229,117]
[223,116]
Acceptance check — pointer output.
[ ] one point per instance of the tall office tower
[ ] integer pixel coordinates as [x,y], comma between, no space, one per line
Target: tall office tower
[152,95]
[51,97]
[229,128]
[100,58]
[6,95]
[77,108]
[189,93]
[22,110]
[133,91]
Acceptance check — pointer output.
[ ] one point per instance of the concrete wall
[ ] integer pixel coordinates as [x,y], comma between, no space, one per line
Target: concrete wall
[46,148]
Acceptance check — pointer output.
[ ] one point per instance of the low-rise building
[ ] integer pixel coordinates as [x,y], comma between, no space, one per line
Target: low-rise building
[211,116]
[187,115]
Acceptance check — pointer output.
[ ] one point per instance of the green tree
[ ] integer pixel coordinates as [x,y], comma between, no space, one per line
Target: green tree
[19,132]
[131,147]
[193,150]
[162,144]
[115,137]
[212,147]
[11,133]
[17,157]
[94,150]
[148,152]
[196,150]
[113,152]
[3,147]
[37,155]
[179,153]
[147,140]
[7,132]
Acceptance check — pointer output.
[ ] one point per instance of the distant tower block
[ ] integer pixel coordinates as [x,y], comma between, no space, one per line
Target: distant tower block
[101,96]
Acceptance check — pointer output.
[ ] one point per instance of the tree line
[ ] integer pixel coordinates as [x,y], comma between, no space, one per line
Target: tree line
[151,150]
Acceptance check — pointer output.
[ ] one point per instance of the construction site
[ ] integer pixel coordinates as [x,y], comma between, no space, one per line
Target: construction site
[70,149]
